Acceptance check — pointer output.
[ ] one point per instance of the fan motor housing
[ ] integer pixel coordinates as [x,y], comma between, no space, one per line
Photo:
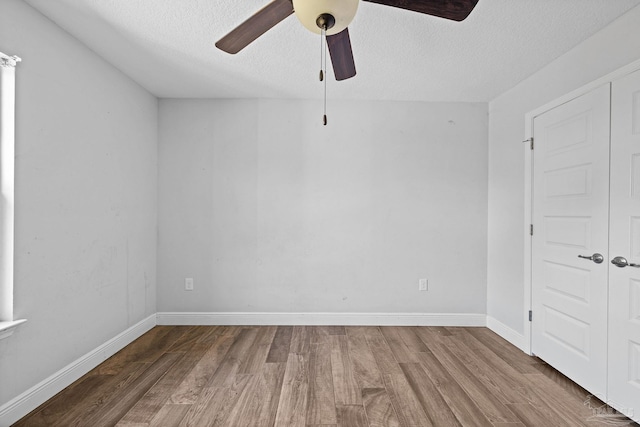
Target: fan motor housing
[312,13]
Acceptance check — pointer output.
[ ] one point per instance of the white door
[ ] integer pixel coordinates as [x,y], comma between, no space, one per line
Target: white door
[571,219]
[624,282]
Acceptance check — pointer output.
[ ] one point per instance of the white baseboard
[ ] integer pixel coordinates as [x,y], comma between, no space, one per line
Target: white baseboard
[507,333]
[20,406]
[349,319]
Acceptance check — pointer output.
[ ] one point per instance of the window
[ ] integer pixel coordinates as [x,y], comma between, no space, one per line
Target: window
[7,157]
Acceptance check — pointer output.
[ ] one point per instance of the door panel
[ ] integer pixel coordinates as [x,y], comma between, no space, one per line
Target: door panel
[570,217]
[624,283]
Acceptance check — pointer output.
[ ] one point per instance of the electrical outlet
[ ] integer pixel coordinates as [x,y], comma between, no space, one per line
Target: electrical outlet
[188,284]
[423,284]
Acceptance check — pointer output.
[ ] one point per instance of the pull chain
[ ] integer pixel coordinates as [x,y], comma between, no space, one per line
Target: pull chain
[324,118]
[323,69]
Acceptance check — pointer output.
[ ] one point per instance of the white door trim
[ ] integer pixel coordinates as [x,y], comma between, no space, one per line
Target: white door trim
[528,179]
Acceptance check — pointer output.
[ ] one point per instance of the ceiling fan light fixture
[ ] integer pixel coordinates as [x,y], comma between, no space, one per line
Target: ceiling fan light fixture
[308,12]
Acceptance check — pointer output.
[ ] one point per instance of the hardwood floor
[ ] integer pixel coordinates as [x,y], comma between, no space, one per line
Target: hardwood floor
[321,376]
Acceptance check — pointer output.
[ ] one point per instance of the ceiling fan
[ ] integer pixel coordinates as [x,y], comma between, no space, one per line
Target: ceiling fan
[331,18]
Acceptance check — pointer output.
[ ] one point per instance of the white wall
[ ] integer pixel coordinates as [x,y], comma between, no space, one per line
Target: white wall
[270,211]
[86,200]
[615,46]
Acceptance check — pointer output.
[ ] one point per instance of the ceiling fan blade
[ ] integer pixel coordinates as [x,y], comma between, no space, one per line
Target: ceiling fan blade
[254,27]
[456,10]
[339,45]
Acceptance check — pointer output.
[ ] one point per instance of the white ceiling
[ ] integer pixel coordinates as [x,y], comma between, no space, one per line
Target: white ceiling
[167,46]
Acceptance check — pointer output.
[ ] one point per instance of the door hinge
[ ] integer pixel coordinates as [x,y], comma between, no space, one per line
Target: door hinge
[530,315]
[530,141]
[531,229]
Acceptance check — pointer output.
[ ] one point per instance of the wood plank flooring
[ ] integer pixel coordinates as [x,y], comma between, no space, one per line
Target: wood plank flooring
[313,376]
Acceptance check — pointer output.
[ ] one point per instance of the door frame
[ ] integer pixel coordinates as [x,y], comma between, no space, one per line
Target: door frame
[528,181]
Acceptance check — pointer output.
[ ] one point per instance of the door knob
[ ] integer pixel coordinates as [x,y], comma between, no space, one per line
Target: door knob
[622,262]
[597,258]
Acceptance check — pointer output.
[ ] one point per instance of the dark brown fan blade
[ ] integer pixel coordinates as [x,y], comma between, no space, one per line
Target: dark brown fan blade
[341,55]
[456,10]
[254,27]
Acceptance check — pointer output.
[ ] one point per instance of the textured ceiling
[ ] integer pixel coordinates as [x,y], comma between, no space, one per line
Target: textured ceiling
[167,46]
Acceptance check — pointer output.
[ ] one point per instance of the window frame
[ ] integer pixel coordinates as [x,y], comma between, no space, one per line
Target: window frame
[7,167]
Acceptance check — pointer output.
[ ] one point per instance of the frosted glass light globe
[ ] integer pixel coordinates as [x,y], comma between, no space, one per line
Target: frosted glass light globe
[308,11]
